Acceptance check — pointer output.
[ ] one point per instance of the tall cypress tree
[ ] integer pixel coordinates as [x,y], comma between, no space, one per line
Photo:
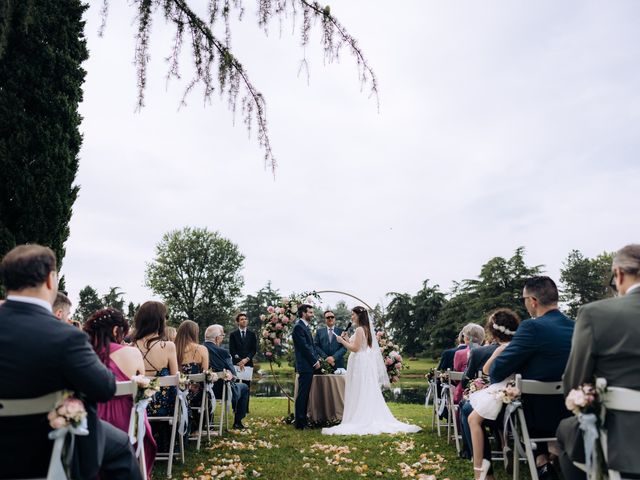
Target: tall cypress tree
[42,46]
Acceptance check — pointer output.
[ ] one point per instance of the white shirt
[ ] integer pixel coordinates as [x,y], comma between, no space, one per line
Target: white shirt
[31,300]
[306,324]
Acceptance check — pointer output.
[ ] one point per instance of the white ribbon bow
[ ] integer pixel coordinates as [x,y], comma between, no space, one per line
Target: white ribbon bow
[141,410]
[212,396]
[184,411]
[430,393]
[508,424]
[590,434]
[443,398]
[58,469]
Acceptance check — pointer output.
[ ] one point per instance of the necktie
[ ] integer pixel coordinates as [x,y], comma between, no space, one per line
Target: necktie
[242,332]
[331,335]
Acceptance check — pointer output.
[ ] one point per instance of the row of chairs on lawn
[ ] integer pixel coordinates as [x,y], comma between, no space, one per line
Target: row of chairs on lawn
[616,398]
[207,412]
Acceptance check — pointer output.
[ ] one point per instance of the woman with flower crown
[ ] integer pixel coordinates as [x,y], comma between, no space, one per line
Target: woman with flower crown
[106,329]
[487,403]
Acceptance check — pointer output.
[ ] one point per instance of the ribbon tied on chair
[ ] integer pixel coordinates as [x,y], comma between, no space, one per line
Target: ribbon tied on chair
[444,394]
[509,424]
[208,386]
[590,435]
[58,469]
[184,411]
[430,393]
[139,411]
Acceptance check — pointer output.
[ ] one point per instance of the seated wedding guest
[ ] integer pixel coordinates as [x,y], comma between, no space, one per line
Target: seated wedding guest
[446,359]
[502,326]
[243,345]
[219,360]
[160,360]
[106,329]
[473,336]
[477,358]
[539,351]
[62,308]
[605,344]
[326,344]
[170,334]
[41,355]
[192,358]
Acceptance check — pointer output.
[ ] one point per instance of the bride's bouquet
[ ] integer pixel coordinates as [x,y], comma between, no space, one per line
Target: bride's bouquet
[391,356]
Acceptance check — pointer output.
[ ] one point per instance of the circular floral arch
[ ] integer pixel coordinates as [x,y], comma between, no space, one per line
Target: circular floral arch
[277,324]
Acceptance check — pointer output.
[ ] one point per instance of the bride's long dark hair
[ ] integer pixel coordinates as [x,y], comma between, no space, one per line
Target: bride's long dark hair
[363,321]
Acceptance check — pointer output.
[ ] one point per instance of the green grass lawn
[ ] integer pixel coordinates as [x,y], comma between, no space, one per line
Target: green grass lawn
[270,449]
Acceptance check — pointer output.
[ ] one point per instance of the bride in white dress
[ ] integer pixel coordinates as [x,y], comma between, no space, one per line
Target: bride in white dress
[365,411]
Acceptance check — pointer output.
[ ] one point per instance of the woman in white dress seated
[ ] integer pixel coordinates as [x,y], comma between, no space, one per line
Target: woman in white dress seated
[365,410]
[486,404]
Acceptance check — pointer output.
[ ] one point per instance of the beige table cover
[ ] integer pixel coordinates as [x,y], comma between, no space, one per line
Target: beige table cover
[326,398]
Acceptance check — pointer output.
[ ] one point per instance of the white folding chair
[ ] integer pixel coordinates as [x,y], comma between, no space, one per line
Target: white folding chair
[620,399]
[173,421]
[432,395]
[225,404]
[35,406]
[130,388]
[203,408]
[529,387]
[452,408]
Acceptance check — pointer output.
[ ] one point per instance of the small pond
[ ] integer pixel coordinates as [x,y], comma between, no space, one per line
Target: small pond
[408,390]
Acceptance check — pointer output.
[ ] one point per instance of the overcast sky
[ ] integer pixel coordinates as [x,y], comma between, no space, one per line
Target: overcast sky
[501,124]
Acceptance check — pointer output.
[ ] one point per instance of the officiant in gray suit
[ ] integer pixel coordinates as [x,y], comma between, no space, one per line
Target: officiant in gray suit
[605,344]
[326,344]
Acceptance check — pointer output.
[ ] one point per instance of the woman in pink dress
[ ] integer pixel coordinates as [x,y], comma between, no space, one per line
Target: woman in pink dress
[107,329]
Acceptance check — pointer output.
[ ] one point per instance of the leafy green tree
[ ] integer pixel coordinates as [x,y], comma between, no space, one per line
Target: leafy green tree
[88,303]
[197,274]
[132,308]
[256,305]
[585,279]
[42,46]
[400,318]
[114,298]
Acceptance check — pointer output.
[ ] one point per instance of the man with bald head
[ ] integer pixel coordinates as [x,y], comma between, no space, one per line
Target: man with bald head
[220,359]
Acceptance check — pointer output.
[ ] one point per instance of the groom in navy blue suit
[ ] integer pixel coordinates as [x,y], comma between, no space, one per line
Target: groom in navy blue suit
[306,362]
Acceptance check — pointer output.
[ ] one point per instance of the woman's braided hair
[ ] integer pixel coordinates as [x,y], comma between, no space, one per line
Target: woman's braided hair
[99,326]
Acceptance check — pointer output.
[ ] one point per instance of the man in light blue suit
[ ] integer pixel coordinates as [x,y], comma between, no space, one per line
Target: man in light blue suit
[326,344]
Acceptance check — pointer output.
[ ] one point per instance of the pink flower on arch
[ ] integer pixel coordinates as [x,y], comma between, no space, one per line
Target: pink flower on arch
[277,341]
[270,309]
[268,354]
[279,326]
[265,334]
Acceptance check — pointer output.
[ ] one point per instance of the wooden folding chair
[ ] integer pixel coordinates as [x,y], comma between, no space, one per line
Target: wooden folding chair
[34,406]
[529,387]
[131,388]
[432,395]
[173,421]
[452,408]
[620,399]
[225,404]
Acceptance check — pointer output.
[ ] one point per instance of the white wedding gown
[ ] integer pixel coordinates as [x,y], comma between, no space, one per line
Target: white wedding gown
[365,411]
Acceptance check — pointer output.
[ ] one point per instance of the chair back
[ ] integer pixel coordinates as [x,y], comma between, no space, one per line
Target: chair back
[622,399]
[197,377]
[455,376]
[126,388]
[29,406]
[170,380]
[535,387]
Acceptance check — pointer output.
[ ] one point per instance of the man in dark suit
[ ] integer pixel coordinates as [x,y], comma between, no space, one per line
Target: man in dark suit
[539,351]
[605,344]
[243,345]
[326,344]
[220,359]
[39,355]
[306,362]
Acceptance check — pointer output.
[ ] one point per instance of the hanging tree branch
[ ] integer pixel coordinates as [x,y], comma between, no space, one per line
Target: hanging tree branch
[209,50]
